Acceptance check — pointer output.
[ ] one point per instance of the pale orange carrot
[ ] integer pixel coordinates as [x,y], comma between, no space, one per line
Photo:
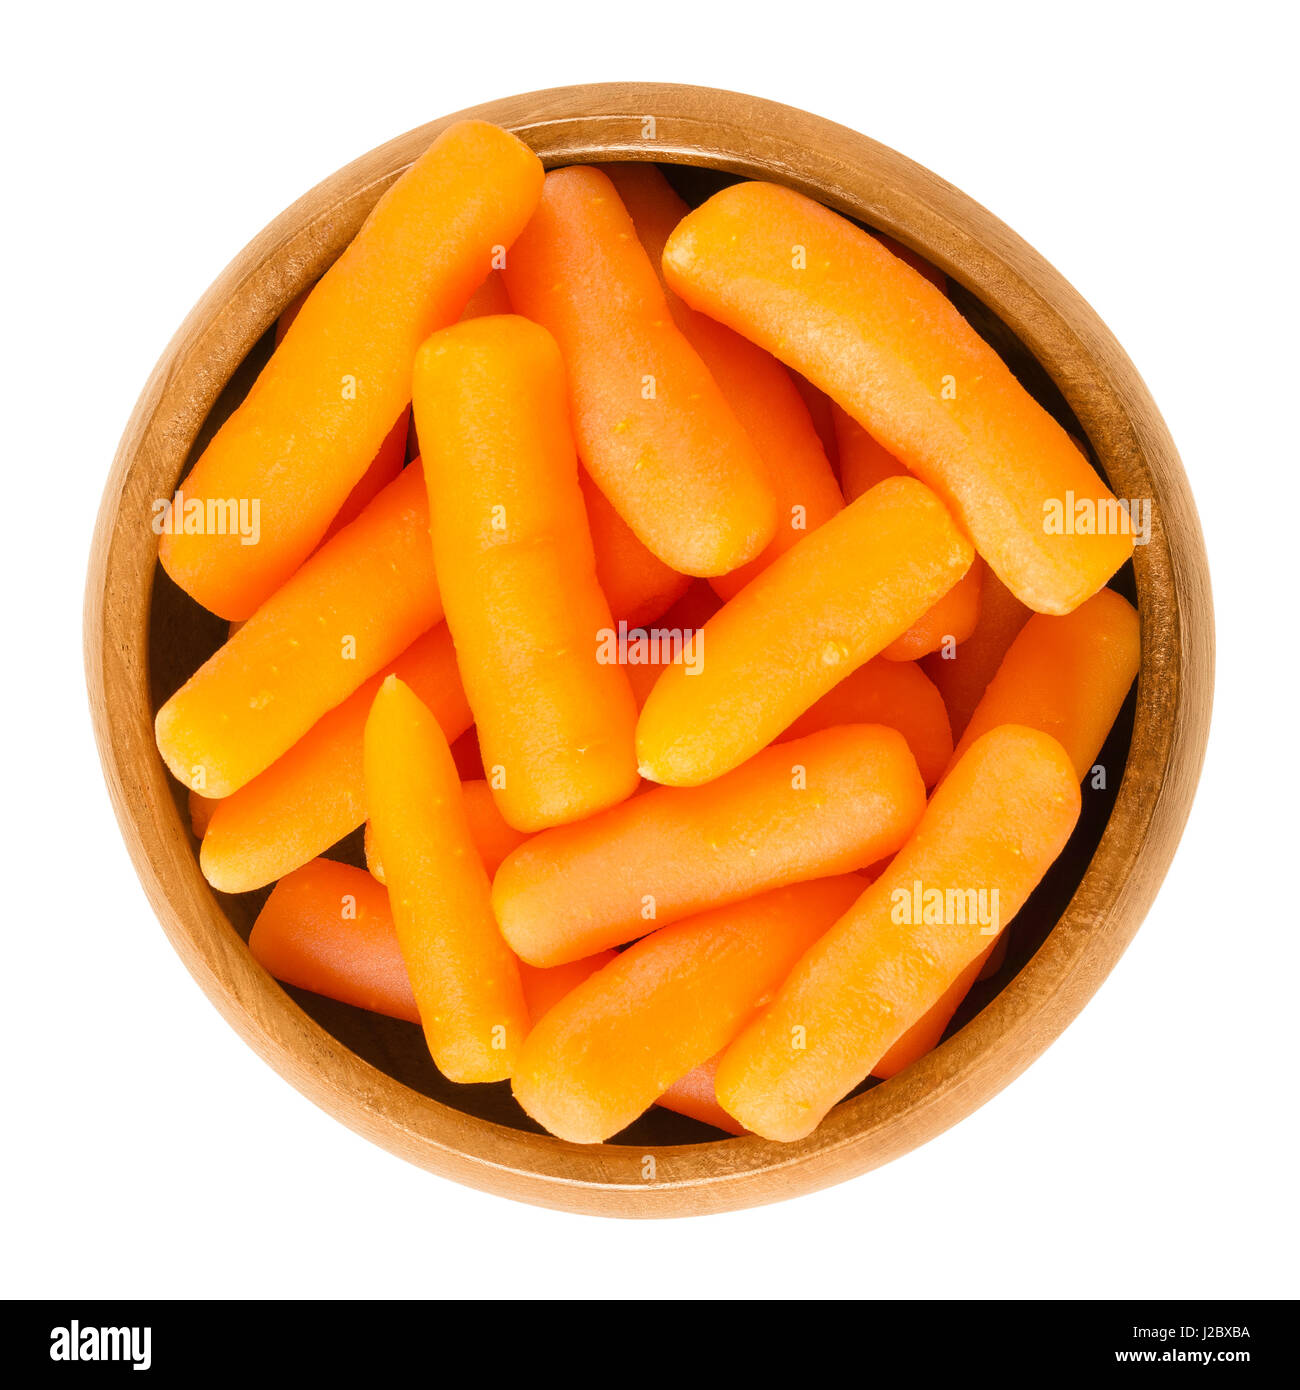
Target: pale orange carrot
[652,426]
[543,989]
[465,980]
[863,464]
[824,608]
[323,404]
[693,1096]
[517,573]
[757,387]
[637,584]
[894,693]
[612,1046]
[924,1035]
[992,829]
[493,838]
[328,928]
[1066,676]
[361,599]
[314,795]
[963,673]
[830,301]
[825,804]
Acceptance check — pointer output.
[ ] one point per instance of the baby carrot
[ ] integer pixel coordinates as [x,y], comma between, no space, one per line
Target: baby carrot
[824,608]
[693,1095]
[517,572]
[637,585]
[465,980]
[652,426]
[826,804]
[352,607]
[863,464]
[328,928]
[963,675]
[610,1048]
[543,989]
[314,795]
[757,387]
[895,693]
[886,345]
[330,393]
[1066,676]
[493,838]
[924,1035]
[383,468]
[990,832]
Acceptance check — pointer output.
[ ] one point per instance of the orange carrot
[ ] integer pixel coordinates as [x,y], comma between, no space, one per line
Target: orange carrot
[328,928]
[201,808]
[637,584]
[384,467]
[818,612]
[493,838]
[757,387]
[693,1096]
[886,345]
[652,425]
[863,464]
[543,989]
[826,804]
[918,262]
[963,674]
[489,298]
[353,606]
[323,404]
[818,405]
[924,1035]
[610,1048]
[1066,676]
[894,693]
[465,980]
[314,795]
[517,572]
[465,753]
[990,832]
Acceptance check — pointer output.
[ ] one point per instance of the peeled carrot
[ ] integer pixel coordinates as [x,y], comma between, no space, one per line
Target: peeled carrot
[652,426]
[818,405]
[886,345]
[637,584]
[330,393]
[693,1095]
[918,262]
[543,989]
[201,808]
[353,606]
[757,387]
[384,467]
[895,693]
[328,928]
[1066,676]
[314,795]
[610,1048]
[490,298]
[962,675]
[493,838]
[863,464]
[818,612]
[826,804]
[465,980]
[517,572]
[924,1035]
[993,827]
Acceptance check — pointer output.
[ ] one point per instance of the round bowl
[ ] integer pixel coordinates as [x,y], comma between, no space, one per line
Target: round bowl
[143,637]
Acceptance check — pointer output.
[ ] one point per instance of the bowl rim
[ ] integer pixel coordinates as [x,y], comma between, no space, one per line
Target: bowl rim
[753,137]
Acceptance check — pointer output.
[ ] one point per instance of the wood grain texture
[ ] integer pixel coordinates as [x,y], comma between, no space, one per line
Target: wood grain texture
[995,271]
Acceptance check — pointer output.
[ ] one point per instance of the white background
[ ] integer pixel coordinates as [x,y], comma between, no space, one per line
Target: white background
[1149,152]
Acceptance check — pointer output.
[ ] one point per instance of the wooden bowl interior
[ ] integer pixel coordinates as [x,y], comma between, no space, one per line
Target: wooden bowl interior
[182,635]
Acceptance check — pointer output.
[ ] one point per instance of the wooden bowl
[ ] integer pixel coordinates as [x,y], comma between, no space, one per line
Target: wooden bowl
[143,637]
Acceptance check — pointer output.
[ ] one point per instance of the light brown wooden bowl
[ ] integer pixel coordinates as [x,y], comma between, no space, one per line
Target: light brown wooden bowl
[143,637]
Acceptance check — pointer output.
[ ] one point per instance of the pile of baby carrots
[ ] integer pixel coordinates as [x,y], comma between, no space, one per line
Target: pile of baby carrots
[735,886]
